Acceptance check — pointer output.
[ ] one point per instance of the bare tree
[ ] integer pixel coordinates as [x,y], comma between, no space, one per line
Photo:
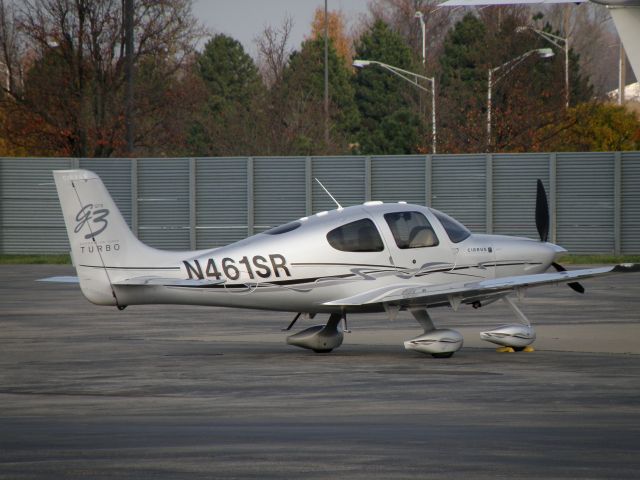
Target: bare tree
[593,36]
[76,82]
[11,49]
[401,16]
[274,51]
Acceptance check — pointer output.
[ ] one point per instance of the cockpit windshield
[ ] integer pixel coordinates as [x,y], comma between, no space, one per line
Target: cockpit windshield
[455,230]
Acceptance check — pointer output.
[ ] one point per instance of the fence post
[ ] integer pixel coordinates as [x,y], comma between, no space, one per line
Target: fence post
[134,196]
[367,179]
[2,226]
[250,192]
[489,192]
[193,240]
[617,203]
[428,183]
[308,187]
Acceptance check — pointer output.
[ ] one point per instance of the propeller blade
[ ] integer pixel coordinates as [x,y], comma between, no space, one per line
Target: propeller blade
[575,286]
[542,212]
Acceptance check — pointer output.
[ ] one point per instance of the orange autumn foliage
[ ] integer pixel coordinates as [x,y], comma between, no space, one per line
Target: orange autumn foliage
[336,30]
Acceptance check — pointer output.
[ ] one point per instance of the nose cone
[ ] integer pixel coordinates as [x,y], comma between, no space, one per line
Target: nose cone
[547,252]
[554,251]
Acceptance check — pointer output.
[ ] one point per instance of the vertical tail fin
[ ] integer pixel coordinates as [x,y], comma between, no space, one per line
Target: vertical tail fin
[102,245]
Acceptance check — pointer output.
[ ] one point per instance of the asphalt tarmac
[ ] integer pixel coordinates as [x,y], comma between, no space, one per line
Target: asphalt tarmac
[161,392]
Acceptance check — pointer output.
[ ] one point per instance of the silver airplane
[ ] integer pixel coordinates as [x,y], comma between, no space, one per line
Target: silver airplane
[374,257]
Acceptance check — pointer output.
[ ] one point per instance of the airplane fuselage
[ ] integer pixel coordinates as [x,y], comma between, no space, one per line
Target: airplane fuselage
[298,269]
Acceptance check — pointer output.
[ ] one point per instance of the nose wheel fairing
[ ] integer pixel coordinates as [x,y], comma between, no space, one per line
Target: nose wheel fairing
[517,336]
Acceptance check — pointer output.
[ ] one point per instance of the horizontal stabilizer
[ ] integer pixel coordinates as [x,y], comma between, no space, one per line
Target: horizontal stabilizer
[60,279]
[426,294]
[167,282]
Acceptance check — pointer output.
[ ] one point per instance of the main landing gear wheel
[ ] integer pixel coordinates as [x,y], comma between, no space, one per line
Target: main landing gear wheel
[320,338]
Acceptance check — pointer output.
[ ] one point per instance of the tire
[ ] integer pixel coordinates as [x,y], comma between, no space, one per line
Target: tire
[442,355]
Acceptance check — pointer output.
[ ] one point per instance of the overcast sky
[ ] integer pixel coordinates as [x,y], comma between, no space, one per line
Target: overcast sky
[246,19]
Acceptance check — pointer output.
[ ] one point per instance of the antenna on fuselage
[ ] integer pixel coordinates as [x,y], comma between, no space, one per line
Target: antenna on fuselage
[332,198]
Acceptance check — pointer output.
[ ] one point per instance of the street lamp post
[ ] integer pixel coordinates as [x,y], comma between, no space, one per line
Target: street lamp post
[420,17]
[509,66]
[406,75]
[555,40]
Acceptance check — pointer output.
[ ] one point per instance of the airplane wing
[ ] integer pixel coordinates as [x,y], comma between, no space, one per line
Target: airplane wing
[141,281]
[457,293]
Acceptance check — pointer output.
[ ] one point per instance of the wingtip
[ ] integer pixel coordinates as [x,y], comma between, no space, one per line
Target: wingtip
[627,268]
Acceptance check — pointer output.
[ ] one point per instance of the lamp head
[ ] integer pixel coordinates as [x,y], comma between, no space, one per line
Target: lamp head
[361,63]
[545,52]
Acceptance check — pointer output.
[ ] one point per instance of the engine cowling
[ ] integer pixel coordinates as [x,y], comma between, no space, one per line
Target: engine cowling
[439,342]
[513,335]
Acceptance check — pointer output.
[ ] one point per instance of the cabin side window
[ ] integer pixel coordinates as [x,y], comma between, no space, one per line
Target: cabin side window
[359,236]
[411,230]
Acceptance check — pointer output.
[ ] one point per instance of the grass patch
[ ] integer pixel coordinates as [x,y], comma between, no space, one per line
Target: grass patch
[37,259]
[576,259]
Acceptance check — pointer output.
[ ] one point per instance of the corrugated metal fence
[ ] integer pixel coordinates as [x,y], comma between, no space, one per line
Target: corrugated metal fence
[187,203]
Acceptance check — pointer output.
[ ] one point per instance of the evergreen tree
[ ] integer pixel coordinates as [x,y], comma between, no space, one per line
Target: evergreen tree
[463,86]
[298,103]
[390,124]
[228,122]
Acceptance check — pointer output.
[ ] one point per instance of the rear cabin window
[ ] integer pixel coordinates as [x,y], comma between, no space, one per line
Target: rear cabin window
[455,230]
[411,230]
[359,236]
[287,227]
